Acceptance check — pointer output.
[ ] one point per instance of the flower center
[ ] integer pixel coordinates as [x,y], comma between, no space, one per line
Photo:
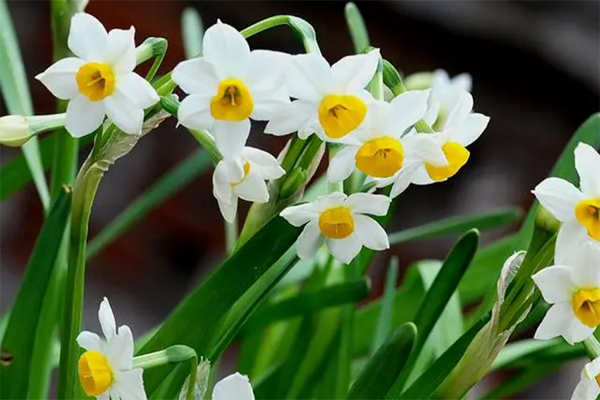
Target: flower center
[586,305]
[588,214]
[340,115]
[247,168]
[95,374]
[336,223]
[233,101]
[457,156]
[598,379]
[380,158]
[95,81]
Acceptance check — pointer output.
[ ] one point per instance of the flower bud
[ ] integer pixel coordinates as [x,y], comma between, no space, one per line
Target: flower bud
[14,130]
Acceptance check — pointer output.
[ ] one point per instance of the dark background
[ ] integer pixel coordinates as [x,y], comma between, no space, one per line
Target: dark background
[535,67]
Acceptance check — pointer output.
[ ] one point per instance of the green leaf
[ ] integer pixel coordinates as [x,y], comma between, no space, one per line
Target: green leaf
[169,184]
[357,28]
[194,319]
[518,350]
[19,339]
[15,91]
[385,366]
[384,325]
[523,380]
[192,32]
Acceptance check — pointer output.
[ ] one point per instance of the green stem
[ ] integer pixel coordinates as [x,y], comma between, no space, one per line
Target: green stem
[208,143]
[592,346]
[231,235]
[310,46]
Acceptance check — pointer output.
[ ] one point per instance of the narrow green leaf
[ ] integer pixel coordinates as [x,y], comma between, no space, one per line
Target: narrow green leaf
[523,380]
[357,28]
[192,31]
[169,184]
[15,92]
[386,365]
[384,325]
[19,339]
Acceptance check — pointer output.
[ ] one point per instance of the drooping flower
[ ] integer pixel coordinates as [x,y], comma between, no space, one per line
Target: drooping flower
[230,84]
[381,152]
[233,387]
[462,128]
[340,222]
[100,80]
[445,94]
[105,369]
[244,177]
[577,209]
[331,101]
[573,290]
[588,387]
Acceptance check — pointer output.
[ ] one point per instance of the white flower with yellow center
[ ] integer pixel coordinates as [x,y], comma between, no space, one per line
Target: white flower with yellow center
[462,128]
[340,222]
[105,369]
[588,387]
[230,84]
[244,177]
[330,100]
[573,290]
[577,209]
[381,152]
[100,80]
[233,387]
[445,93]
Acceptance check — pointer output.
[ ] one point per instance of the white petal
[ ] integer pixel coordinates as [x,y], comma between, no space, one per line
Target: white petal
[343,164]
[309,241]
[228,210]
[354,72]
[587,163]
[104,396]
[137,90]
[263,163]
[461,110]
[268,104]
[196,76]
[586,265]
[231,136]
[87,37]
[556,322]
[346,249]
[267,72]
[120,50]
[226,49]
[463,81]
[370,233]
[120,349]
[253,188]
[221,183]
[125,115]
[331,200]
[83,116]
[470,129]
[194,112]
[89,341]
[309,78]
[421,177]
[59,78]
[373,204]
[233,387]
[129,385]
[404,178]
[433,110]
[555,283]
[291,117]
[423,148]
[559,197]
[586,390]
[407,109]
[300,214]
[578,332]
[107,320]
[571,237]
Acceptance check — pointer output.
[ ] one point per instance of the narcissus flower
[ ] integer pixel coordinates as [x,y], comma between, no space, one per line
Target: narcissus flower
[105,369]
[331,100]
[244,177]
[462,128]
[445,93]
[588,387]
[577,209]
[100,80]
[573,290]
[340,222]
[381,152]
[230,84]
[233,387]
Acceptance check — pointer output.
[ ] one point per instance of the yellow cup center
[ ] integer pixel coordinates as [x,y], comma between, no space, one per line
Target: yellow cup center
[457,156]
[96,81]
[247,168]
[340,115]
[380,158]
[95,373]
[598,379]
[336,223]
[588,215]
[586,305]
[233,101]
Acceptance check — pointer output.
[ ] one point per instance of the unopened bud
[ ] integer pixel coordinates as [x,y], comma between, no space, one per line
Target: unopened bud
[16,130]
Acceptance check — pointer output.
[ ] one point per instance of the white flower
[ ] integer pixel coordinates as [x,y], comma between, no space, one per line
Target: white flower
[100,80]
[244,177]
[105,369]
[588,387]
[340,222]
[331,100]
[573,290]
[462,128]
[229,85]
[233,387]
[381,152]
[445,93]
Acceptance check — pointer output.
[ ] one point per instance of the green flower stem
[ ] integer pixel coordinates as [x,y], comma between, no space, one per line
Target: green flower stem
[357,28]
[292,154]
[231,234]
[592,346]
[305,31]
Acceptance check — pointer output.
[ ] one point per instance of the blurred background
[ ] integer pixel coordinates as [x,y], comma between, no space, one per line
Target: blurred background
[535,67]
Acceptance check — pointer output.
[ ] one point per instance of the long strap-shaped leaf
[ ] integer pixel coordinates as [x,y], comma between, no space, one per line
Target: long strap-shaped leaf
[18,342]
